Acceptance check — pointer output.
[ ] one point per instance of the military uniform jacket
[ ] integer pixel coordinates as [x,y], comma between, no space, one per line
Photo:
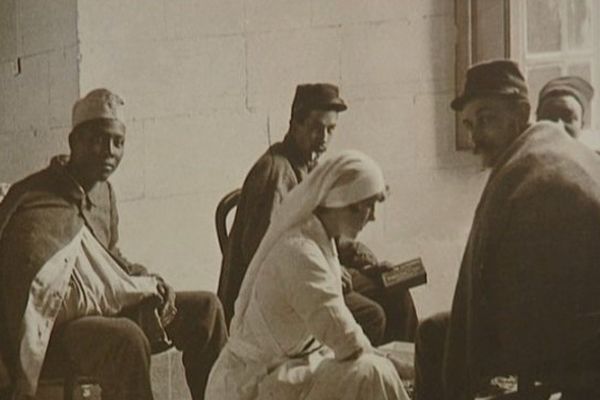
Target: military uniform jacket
[274,174]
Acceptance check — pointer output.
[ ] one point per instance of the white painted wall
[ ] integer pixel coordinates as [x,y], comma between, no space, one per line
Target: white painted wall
[35,102]
[208,83]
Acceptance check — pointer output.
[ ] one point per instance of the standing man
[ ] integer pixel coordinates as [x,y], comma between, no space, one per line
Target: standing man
[526,300]
[65,288]
[314,117]
[566,99]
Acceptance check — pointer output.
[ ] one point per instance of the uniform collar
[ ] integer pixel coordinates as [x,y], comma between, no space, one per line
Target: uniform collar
[292,153]
[72,188]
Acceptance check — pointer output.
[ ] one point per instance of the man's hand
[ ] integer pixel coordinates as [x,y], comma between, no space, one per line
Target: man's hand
[354,254]
[346,280]
[374,270]
[168,311]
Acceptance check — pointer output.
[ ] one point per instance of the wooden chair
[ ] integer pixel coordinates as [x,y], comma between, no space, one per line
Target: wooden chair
[226,204]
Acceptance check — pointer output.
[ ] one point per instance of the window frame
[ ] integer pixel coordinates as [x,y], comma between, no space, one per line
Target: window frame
[512,22]
[469,49]
[519,53]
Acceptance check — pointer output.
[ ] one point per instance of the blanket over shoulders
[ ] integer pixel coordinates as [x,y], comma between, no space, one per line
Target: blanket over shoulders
[527,292]
[43,231]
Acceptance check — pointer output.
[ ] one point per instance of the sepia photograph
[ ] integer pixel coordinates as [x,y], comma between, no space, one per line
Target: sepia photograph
[299,200]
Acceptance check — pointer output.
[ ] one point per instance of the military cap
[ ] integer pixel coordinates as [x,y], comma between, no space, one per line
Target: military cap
[317,96]
[99,103]
[492,78]
[574,86]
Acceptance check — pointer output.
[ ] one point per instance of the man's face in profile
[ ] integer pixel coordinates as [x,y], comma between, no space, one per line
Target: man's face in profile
[563,108]
[314,133]
[492,124]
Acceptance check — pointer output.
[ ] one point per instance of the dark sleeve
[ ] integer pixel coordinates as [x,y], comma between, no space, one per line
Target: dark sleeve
[538,270]
[131,268]
[9,204]
[355,254]
[267,183]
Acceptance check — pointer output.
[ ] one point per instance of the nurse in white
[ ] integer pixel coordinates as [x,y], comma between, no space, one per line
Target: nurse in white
[292,336]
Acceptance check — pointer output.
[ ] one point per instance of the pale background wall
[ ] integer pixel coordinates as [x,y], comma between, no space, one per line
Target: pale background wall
[209,83]
[35,103]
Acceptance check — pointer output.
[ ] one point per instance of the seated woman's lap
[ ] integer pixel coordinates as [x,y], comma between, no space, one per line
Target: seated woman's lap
[369,376]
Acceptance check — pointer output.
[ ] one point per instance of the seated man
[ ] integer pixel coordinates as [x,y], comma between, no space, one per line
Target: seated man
[566,99]
[526,300]
[314,117]
[65,289]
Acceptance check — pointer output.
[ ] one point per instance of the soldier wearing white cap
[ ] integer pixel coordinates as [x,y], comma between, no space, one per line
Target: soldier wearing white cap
[98,137]
[68,299]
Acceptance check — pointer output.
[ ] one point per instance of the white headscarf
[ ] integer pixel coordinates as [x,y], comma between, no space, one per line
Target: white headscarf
[338,181]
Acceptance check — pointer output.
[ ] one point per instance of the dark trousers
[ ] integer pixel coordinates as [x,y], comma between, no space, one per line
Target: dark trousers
[369,315]
[398,306]
[116,351]
[429,357]
[576,377]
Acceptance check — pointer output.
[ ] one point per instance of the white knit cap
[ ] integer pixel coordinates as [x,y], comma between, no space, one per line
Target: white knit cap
[99,103]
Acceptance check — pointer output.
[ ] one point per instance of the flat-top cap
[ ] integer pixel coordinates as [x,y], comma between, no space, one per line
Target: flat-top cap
[493,78]
[574,86]
[318,96]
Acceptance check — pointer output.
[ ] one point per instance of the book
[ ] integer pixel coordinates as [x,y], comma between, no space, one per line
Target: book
[404,276]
